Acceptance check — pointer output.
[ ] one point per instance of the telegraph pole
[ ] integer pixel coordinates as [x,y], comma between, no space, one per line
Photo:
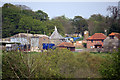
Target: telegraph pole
[27,41]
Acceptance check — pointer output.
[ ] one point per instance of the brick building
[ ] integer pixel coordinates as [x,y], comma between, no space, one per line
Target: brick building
[96,40]
[78,44]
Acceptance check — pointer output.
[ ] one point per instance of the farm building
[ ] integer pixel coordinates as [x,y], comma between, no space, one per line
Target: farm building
[56,38]
[96,40]
[112,42]
[35,41]
[21,38]
[67,45]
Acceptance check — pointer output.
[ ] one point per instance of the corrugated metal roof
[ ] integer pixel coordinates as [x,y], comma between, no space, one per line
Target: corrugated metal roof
[41,35]
[29,35]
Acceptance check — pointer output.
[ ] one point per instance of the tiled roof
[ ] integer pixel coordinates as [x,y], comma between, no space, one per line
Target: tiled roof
[66,44]
[97,36]
[112,34]
[115,34]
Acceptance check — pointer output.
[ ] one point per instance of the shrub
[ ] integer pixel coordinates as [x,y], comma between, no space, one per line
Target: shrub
[14,65]
[58,63]
[51,64]
[89,65]
[111,67]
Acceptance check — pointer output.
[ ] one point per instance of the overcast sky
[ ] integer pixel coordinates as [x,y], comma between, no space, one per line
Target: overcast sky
[69,9]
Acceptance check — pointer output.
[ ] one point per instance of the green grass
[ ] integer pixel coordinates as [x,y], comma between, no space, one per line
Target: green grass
[76,52]
[80,48]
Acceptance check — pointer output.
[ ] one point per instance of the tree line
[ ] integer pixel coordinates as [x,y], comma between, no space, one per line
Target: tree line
[20,18]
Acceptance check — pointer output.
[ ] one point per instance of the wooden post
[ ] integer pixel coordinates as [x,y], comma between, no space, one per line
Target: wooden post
[27,41]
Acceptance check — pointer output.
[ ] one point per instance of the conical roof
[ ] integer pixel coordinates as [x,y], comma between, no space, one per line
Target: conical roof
[55,35]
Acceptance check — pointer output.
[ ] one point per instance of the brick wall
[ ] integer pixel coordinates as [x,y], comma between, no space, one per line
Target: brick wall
[91,44]
[78,44]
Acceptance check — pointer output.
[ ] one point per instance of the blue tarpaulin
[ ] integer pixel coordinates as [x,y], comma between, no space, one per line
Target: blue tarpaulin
[48,45]
[74,38]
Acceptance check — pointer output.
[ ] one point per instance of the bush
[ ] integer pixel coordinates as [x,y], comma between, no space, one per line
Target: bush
[89,65]
[14,65]
[111,67]
[51,64]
